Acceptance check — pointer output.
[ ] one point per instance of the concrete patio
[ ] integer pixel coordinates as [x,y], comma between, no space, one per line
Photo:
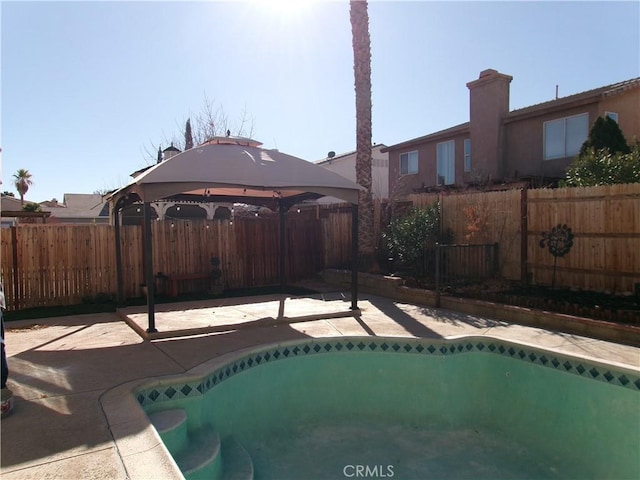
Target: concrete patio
[62,368]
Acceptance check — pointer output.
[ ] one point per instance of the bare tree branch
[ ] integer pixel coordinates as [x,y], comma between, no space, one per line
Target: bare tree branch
[211,121]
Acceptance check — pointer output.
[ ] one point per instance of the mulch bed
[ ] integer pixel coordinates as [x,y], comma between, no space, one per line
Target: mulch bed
[598,306]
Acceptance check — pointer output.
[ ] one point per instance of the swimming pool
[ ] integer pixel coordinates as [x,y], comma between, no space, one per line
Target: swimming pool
[371,407]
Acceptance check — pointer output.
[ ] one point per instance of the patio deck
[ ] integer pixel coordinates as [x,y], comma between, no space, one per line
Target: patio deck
[61,368]
[225,314]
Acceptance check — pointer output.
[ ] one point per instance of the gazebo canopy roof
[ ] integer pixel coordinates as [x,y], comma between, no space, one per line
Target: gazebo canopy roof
[237,169]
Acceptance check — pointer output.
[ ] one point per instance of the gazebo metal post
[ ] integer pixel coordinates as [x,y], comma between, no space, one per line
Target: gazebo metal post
[283,245]
[354,257]
[119,281]
[148,269]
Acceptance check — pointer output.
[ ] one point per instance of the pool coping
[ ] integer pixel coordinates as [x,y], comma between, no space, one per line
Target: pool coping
[142,450]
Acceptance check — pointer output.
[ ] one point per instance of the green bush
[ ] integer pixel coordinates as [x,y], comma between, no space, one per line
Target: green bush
[409,237]
[605,134]
[600,167]
[32,207]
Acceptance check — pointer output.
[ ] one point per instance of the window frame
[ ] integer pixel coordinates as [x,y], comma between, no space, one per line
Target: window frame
[612,115]
[452,159]
[564,120]
[408,157]
[467,155]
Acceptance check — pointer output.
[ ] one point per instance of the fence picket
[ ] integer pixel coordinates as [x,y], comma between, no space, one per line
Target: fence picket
[61,264]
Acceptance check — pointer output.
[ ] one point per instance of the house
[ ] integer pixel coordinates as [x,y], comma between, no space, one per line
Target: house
[345,165]
[78,208]
[9,207]
[498,145]
[12,213]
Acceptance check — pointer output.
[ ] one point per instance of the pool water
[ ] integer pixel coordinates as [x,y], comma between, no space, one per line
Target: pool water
[466,408]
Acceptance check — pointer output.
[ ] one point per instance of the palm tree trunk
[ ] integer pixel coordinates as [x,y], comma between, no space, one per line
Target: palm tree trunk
[362,72]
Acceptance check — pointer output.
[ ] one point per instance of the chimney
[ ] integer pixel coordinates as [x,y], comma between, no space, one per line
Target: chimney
[488,106]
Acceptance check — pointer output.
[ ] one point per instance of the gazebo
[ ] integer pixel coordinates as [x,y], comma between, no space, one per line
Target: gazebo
[236,170]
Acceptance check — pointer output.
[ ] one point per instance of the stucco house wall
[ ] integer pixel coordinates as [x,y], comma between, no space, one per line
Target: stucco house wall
[508,146]
[525,142]
[427,175]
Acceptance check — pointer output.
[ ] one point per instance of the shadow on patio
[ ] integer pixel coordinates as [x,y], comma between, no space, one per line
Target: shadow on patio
[59,375]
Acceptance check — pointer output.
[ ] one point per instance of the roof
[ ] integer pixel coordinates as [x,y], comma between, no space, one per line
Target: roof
[10,203]
[80,205]
[587,96]
[11,207]
[236,170]
[378,146]
[458,129]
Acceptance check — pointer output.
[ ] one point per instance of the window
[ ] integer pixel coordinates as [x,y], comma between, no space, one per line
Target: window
[564,137]
[612,115]
[409,163]
[467,155]
[446,167]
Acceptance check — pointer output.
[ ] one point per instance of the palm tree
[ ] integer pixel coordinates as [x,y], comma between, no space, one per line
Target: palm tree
[362,72]
[22,182]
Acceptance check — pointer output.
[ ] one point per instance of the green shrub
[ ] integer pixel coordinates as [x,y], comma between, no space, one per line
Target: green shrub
[605,135]
[409,237]
[600,167]
[32,207]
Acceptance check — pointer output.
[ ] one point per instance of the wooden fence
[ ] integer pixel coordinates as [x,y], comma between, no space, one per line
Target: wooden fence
[605,222]
[44,265]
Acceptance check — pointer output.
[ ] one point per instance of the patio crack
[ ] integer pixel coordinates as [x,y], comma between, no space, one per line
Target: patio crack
[174,360]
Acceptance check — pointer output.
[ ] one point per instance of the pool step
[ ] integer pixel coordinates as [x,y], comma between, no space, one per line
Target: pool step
[201,459]
[172,427]
[236,461]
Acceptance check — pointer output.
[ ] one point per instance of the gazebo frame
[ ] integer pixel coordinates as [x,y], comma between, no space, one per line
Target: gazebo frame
[212,183]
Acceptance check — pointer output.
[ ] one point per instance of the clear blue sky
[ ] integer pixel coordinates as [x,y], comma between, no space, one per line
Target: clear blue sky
[87,87]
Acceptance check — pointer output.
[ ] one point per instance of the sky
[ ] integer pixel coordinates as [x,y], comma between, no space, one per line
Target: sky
[88,89]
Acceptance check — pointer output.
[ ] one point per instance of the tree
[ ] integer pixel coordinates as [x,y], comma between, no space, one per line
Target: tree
[600,167]
[409,237]
[605,134]
[209,122]
[605,158]
[22,182]
[361,42]
[188,136]
[7,193]
[32,207]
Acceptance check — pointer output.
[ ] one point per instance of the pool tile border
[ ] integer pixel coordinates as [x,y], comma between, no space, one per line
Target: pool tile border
[583,368]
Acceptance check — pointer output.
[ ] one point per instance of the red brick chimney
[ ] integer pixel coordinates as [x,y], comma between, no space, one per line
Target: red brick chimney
[488,105]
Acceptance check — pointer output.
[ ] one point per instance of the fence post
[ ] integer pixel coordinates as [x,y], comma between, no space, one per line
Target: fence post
[524,227]
[437,275]
[283,244]
[16,268]
[119,276]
